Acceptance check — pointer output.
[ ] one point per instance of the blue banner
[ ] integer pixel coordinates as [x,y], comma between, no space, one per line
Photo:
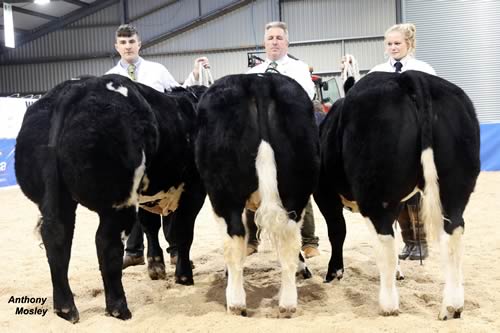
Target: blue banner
[490,147]
[11,117]
[7,173]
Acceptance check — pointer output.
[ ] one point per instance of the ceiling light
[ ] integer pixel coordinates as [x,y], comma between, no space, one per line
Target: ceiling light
[8,23]
[42,2]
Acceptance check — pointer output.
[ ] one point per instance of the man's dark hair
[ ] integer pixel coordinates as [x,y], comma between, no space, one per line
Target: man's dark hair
[126,30]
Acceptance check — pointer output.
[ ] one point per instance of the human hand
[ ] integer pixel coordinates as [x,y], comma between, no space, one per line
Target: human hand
[196,68]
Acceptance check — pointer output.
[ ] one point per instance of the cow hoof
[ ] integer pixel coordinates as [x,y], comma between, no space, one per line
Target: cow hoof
[286,312]
[237,310]
[306,273]
[156,268]
[339,274]
[387,313]
[399,276]
[122,314]
[184,280]
[450,313]
[69,314]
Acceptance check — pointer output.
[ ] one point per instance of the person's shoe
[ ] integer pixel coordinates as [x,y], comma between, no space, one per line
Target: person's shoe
[132,261]
[405,253]
[251,249]
[417,250]
[310,251]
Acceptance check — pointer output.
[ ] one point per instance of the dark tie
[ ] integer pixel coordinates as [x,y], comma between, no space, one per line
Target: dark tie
[272,67]
[131,71]
[398,65]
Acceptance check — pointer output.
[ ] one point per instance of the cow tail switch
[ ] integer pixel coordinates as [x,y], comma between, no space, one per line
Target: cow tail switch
[430,201]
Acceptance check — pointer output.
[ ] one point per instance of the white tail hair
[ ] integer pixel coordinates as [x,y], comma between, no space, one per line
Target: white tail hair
[431,212]
[271,216]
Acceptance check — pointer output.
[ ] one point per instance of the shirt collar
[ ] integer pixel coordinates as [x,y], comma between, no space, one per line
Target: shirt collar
[281,61]
[137,63]
[403,61]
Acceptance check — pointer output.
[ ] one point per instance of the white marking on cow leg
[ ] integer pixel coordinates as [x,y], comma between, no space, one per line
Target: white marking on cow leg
[288,252]
[133,199]
[453,292]
[284,233]
[234,258]
[121,89]
[399,272]
[386,256]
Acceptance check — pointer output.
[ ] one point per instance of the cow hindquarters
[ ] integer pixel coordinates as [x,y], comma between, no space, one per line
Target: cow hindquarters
[283,231]
[386,257]
[110,255]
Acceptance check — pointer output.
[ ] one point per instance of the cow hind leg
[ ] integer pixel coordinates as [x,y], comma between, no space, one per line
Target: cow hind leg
[234,257]
[386,257]
[331,207]
[110,255]
[57,235]
[452,253]
[156,263]
[288,243]
[181,230]
[302,268]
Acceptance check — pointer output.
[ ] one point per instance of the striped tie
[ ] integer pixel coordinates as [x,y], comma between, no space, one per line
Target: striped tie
[272,67]
[131,71]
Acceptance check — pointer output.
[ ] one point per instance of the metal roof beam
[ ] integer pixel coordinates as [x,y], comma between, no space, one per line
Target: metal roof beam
[59,23]
[16,30]
[32,13]
[196,22]
[145,44]
[77,3]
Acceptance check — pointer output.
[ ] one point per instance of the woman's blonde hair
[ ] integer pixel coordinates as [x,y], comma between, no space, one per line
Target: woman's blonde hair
[409,32]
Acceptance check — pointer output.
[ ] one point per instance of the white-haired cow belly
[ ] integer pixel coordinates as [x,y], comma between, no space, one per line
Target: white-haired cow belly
[108,143]
[391,135]
[257,133]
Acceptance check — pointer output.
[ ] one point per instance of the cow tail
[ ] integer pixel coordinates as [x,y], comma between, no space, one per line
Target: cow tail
[430,202]
[50,172]
[271,217]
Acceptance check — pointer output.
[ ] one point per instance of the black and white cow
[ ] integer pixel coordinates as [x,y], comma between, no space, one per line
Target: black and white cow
[392,135]
[257,146]
[110,145]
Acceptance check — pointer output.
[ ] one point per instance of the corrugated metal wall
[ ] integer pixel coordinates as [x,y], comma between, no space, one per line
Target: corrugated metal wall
[335,27]
[324,19]
[460,40]
[240,28]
